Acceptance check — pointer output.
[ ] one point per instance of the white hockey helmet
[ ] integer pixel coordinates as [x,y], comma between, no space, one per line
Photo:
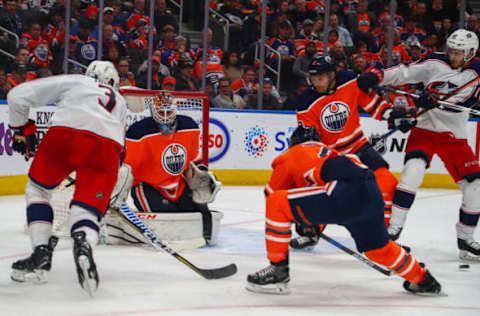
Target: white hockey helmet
[104,72]
[164,112]
[464,40]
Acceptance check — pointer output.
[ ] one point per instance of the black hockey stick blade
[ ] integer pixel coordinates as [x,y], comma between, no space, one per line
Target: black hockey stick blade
[132,219]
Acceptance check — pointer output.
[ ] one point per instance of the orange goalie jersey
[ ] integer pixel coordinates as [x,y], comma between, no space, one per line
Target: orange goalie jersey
[336,115]
[160,160]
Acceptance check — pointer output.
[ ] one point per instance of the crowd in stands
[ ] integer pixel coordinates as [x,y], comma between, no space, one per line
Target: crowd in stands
[357,37]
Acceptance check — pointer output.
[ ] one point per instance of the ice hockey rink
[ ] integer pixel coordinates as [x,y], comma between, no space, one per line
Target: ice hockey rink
[324,281]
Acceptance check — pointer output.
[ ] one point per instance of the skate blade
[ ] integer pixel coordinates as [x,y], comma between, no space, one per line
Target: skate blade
[467,256]
[279,288]
[38,276]
[89,283]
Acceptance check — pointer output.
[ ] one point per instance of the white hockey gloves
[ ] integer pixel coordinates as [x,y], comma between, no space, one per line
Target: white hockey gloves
[204,184]
[122,187]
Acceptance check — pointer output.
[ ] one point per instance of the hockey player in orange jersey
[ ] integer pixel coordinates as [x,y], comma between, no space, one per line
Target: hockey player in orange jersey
[331,106]
[328,187]
[162,156]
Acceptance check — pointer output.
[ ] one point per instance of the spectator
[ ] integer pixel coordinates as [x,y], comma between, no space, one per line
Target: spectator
[127,78]
[9,17]
[171,56]
[113,53]
[398,21]
[157,76]
[359,63]
[214,70]
[424,20]
[307,31]
[17,75]
[343,33]
[91,13]
[294,97]
[226,98]
[246,85]
[235,19]
[163,69]
[162,16]
[167,39]
[231,65]
[137,14]
[138,35]
[169,83]
[472,24]
[300,14]
[318,28]
[337,51]
[414,50]
[447,29]
[302,63]
[86,49]
[270,102]
[362,24]
[286,49]
[411,31]
[438,13]
[454,10]
[184,77]
[195,53]
[111,39]
[40,53]
[380,33]
[21,55]
[432,44]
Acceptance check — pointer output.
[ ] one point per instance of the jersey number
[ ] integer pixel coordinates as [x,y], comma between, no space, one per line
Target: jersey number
[111,99]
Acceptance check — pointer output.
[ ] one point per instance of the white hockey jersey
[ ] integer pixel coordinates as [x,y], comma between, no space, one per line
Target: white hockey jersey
[83,104]
[435,72]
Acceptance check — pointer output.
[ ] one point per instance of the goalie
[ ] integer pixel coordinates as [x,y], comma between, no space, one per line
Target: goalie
[162,174]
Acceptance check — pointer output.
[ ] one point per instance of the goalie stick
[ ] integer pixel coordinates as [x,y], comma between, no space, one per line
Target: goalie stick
[131,218]
[356,255]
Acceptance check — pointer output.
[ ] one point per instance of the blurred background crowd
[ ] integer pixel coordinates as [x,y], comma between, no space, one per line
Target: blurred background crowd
[32,41]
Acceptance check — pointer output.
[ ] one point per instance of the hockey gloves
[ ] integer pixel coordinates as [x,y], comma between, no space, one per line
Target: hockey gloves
[402,119]
[25,139]
[310,231]
[427,100]
[370,79]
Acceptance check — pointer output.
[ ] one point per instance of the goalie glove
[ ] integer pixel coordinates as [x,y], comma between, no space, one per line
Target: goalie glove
[25,139]
[204,184]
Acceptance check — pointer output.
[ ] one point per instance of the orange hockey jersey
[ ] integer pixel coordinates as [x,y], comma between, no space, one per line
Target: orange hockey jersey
[336,115]
[160,160]
[289,174]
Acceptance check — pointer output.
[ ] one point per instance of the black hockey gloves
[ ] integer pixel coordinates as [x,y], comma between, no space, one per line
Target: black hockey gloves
[310,231]
[25,139]
[427,100]
[370,79]
[402,119]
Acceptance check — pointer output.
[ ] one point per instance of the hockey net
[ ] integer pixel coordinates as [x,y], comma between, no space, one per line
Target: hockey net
[193,104]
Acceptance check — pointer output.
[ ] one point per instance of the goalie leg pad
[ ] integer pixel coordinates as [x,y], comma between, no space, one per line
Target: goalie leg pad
[122,186]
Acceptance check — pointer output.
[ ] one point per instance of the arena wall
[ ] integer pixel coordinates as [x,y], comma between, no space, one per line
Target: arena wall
[242,145]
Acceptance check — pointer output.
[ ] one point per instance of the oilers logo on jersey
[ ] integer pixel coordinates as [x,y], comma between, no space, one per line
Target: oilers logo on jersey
[334,116]
[174,159]
[88,51]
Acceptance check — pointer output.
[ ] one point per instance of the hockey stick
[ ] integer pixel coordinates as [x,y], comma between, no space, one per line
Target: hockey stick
[356,255]
[133,220]
[442,103]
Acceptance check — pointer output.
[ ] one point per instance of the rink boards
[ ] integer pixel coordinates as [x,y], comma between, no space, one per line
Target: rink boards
[242,145]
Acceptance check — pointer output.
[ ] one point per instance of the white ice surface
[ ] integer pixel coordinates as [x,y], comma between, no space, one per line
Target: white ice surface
[326,281]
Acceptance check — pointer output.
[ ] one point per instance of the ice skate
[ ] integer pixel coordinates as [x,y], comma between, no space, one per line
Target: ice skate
[86,269]
[34,268]
[428,287]
[468,249]
[272,279]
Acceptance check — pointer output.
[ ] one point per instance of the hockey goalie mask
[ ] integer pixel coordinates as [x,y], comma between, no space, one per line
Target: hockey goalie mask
[465,41]
[164,112]
[104,72]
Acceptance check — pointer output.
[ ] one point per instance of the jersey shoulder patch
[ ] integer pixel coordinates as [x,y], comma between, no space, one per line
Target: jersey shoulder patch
[186,122]
[142,128]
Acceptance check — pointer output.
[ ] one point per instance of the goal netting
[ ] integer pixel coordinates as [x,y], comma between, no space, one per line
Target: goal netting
[194,104]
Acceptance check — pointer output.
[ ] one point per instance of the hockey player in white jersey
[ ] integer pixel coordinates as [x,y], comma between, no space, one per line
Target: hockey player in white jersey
[453,77]
[86,135]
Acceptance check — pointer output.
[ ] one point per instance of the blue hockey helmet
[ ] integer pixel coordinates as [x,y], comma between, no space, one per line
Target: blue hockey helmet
[321,64]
